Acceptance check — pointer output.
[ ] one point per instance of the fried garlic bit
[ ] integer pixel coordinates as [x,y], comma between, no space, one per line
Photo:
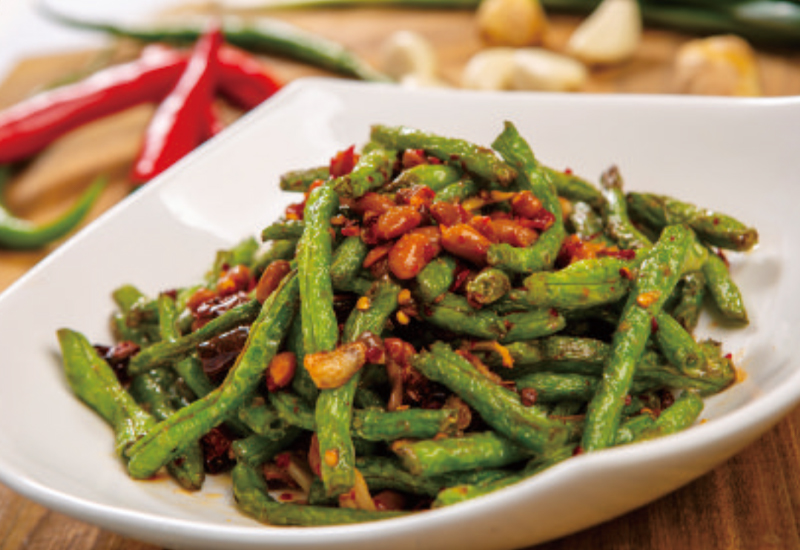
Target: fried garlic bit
[723,65]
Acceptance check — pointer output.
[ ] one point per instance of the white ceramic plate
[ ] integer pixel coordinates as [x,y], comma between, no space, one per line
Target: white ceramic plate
[736,156]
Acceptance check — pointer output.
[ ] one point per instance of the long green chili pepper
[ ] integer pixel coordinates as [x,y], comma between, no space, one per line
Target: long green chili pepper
[21,234]
[265,35]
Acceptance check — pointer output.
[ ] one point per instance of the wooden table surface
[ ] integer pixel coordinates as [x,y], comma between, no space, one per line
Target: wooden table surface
[751,501]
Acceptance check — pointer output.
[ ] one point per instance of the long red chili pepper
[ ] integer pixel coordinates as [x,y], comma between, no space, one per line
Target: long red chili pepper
[29,126]
[243,80]
[179,124]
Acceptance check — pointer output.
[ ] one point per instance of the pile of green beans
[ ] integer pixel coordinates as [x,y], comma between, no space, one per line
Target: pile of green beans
[444,320]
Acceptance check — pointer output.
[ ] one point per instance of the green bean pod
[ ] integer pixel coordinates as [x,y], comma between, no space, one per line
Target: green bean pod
[454,313]
[372,170]
[299,181]
[501,408]
[434,457]
[575,188]
[618,223]
[657,278]
[253,499]
[488,286]
[93,381]
[692,293]
[458,191]
[723,289]
[257,449]
[283,231]
[434,176]
[543,252]
[532,324]
[162,443]
[675,418]
[346,266]
[714,228]
[472,158]
[436,278]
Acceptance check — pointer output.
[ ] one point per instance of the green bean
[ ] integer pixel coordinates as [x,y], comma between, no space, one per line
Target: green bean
[678,416]
[557,387]
[498,406]
[252,496]
[488,286]
[302,383]
[582,284]
[692,293]
[257,449]
[188,424]
[618,224]
[434,457]
[242,253]
[371,171]
[346,266]
[532,324]
[679,347]
[543,252]
[472,158]
[454,313]
[300,180]
[261,418]
[723,289]
[436,278]
[434,176]
[164,353]
[631,429]
[575,188]
[188,468]
[93,381]
[372,425]
[264,35]
[714,228]
[283,231]
[586,223]
[658,276]
[334,412]
[458,191]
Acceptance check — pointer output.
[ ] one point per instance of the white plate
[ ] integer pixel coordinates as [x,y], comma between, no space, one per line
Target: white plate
[737,156]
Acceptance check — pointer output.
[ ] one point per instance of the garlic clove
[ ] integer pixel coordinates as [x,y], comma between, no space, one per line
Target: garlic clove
[717,65]
[611,34]
[407,52]
[540,69]
[489,69]
[513,23]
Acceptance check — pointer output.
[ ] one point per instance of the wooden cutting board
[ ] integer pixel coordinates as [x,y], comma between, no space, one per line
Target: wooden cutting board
[750,502]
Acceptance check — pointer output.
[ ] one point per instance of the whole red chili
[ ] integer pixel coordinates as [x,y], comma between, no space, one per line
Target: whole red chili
[29,126]
[243,79]
[178,125]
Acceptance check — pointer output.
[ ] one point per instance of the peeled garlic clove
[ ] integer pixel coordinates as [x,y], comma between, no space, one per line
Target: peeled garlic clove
[512,22]
[407,52]
[718,65]
[489,69]
[539,69]
[611,34]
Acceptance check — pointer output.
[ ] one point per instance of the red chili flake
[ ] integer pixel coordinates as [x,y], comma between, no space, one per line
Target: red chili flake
[653,325]
[723,257]
[729,356]
[351,229]
[626,254]
[295,211]
[286,497]
[528,397]
[553,312]
[460,278]
[568,171]
[628,399]
[626,273]
[282,460]
[343,162]
[716,221]
[413,157]
[578,451]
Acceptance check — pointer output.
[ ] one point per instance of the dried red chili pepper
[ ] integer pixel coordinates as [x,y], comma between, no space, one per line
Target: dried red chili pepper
[29,126]
[178,124]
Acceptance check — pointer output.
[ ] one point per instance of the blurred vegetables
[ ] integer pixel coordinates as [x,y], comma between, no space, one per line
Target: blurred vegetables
[540,69]
[611,34]
[489,69]
[513,23]
[717,65]
[407,53]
